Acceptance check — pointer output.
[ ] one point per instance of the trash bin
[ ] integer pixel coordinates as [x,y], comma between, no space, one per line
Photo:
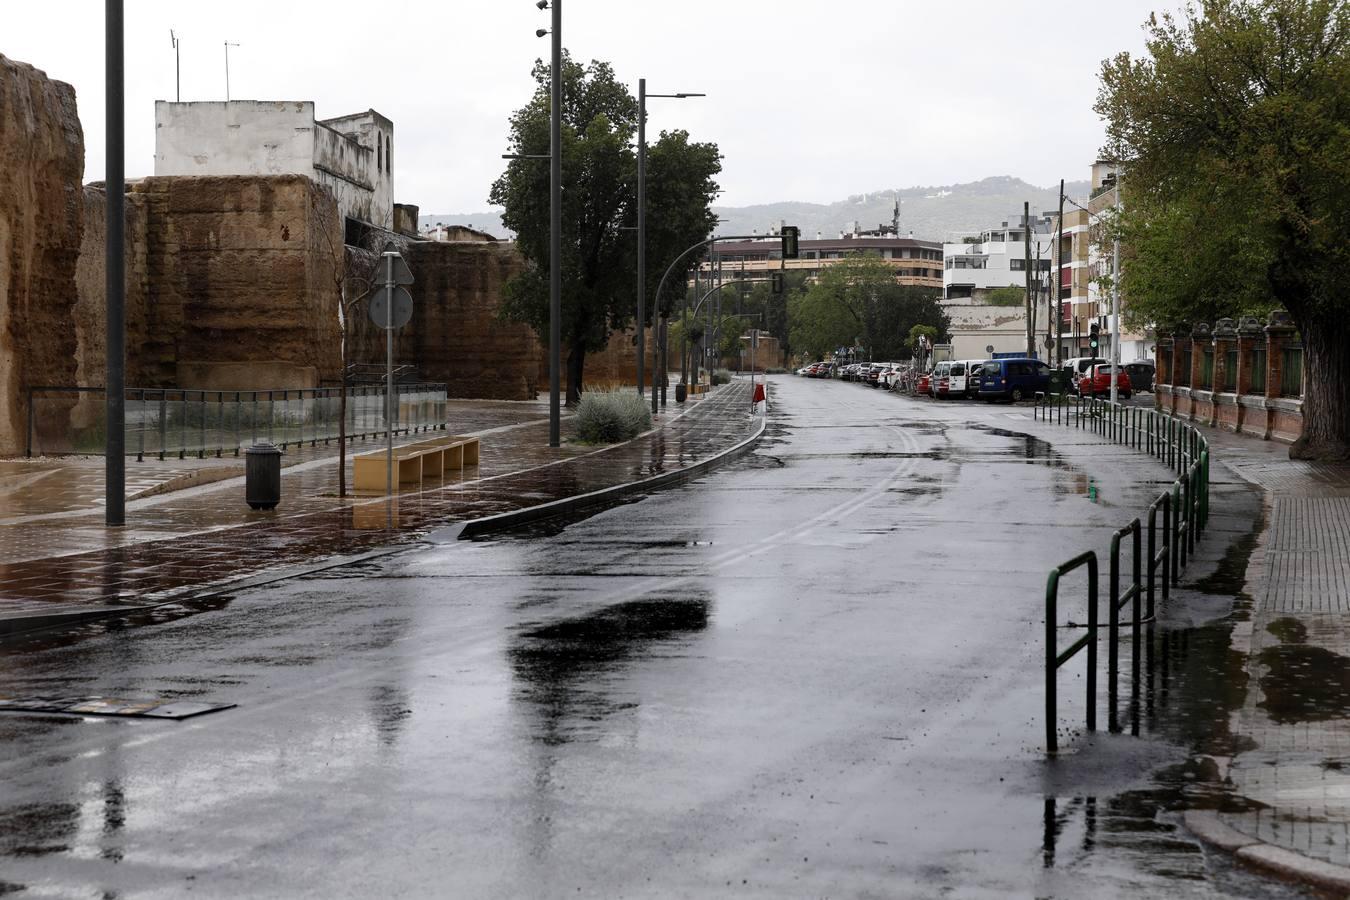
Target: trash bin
[262,476]
[681,392]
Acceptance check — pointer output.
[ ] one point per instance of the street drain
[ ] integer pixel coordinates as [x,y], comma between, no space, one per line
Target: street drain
[111,706]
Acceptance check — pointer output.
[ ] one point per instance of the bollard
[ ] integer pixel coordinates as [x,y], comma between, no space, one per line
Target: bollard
[262,476]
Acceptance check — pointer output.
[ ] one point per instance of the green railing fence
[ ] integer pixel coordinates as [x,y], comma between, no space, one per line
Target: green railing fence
[169,422]
[1185,513]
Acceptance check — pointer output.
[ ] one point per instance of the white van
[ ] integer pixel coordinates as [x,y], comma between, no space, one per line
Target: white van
[1075,366]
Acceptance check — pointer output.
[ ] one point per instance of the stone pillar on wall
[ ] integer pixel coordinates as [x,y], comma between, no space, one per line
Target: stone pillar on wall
[1163,375]
[1248,333]
[1279,332]
[1200,342]
[1225,339]
[1197,341]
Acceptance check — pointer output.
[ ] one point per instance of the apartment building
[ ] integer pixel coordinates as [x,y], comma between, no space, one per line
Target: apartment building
[916,262]
[995,258]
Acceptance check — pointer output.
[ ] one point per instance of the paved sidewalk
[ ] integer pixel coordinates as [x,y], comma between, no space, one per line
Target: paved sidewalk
[64,563]
[1292,784]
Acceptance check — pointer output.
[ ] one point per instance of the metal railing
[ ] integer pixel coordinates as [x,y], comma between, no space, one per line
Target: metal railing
[1185,513]
[173,422]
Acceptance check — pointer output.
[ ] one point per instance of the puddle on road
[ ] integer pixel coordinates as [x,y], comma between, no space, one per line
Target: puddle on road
[566,670]
[1301,682]
[1192,682]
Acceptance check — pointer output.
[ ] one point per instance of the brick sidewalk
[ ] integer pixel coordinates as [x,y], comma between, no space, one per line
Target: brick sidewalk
[1296,717]
[182,542]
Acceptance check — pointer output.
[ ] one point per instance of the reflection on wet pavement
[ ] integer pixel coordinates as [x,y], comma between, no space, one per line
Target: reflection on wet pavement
[517,470]
[819,677]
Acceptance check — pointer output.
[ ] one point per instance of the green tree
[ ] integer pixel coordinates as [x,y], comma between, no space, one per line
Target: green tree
[1233,134]
[599,169]
[857,302]
[1007,296]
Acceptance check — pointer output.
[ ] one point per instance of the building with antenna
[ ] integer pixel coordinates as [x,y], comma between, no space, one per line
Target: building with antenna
[916,262]
[353,155]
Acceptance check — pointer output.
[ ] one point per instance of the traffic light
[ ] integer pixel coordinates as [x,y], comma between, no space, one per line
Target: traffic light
[1093,340]
[790,235]
[776,283]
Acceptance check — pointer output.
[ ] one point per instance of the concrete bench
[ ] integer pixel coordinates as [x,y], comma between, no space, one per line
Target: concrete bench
[414,462]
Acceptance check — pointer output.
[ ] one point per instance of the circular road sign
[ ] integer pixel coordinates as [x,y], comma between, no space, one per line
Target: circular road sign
[379,307]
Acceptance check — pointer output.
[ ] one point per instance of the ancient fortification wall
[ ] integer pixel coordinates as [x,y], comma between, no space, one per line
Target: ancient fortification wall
[457,336]
[41,209]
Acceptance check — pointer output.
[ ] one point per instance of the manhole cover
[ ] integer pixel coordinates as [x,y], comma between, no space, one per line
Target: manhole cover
[111,706]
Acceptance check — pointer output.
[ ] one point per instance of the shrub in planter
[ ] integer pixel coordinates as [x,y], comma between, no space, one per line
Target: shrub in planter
[775,371]
[607,417]
[721,376]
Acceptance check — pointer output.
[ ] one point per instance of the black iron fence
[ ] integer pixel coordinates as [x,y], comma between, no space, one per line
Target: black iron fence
[1184,509]
[171,422]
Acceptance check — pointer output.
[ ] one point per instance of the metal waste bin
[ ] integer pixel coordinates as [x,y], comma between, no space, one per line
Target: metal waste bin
[681,392]
[262,476]
[1058,379]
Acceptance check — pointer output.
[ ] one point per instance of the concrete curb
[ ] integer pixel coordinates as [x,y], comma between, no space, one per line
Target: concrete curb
[17,625]
[30,625]
[508,520]
[1272,860]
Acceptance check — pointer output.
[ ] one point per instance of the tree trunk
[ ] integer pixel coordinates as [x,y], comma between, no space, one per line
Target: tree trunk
[1326,388]
[342,401]
[576,362]
[342,435]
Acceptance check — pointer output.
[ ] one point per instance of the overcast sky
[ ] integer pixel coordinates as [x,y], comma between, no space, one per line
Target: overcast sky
[809,101]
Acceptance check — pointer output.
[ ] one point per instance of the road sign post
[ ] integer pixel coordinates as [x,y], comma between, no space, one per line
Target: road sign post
[391,308]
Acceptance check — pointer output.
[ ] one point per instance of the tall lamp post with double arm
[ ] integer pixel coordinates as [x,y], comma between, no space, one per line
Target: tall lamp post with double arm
[642,243]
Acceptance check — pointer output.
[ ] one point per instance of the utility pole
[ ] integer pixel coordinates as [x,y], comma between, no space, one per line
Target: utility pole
[1026,250]
[1059,275]
[1115,293]
[114,450]
[642,238]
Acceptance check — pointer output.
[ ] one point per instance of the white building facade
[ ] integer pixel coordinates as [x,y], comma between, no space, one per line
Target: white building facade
[996,258]
[352,155]
[1102,202]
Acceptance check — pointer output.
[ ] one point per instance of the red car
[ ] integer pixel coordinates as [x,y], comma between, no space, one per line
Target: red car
[1096,382]
[922,386]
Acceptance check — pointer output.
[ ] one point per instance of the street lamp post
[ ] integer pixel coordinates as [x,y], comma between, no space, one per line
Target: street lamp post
[555,236]
[658,335]
[114,452]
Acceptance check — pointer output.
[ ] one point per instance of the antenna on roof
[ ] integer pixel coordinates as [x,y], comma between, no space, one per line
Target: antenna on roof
[177,83]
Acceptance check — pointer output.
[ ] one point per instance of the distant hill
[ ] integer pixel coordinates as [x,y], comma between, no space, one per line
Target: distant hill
[932,213]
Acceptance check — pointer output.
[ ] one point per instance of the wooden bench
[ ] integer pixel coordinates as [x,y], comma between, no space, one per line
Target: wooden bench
[414,462]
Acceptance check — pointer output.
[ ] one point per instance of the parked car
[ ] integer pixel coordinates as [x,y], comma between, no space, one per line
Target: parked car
[940,386]
[1141,373]
[1075,366]
[1016,378]
[873,373]
[965,377]
[1097,381]
[924,383]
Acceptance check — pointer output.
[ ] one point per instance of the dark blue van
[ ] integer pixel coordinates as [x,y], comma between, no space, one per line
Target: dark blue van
[1017,378]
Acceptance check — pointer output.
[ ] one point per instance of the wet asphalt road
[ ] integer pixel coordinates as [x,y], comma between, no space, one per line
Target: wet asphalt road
[815,672]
